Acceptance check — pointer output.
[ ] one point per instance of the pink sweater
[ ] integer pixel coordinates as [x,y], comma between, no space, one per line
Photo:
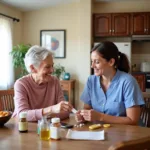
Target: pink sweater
[31,97]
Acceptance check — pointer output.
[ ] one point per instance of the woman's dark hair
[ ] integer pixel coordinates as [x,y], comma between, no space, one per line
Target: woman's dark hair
[109,50]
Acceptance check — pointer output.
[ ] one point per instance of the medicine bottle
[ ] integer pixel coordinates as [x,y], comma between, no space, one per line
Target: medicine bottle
[55,128]
[44,129]
[23,124]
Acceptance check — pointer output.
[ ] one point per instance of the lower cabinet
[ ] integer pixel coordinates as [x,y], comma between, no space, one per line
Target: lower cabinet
[141,81]
[68,86]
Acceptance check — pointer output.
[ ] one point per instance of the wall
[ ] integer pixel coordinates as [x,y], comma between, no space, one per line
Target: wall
[140,53]
[83,55]
[75,18]
[122,6]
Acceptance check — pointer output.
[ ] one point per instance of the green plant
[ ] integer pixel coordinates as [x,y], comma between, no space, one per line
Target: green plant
[18,54]
[58,70]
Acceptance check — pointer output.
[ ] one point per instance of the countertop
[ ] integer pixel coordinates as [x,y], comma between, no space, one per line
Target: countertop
[139,72]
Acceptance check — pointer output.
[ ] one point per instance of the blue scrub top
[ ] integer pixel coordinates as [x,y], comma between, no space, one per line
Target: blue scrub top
[123,92]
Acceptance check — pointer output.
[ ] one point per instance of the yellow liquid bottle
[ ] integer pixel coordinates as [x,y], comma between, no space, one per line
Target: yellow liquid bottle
[44,129]
[45,134]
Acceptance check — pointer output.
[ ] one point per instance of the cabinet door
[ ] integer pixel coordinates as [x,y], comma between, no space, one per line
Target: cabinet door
[120,24]
[102,25]
[138,24]
[148,23]
[141,81]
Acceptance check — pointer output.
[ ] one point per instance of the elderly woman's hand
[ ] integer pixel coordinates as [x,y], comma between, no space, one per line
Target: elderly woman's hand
[62,106]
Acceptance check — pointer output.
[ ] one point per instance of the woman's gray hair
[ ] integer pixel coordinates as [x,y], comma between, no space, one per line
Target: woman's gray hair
[35,55]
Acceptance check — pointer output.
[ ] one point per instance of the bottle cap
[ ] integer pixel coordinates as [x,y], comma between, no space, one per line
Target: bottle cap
[23,115]
[55,120]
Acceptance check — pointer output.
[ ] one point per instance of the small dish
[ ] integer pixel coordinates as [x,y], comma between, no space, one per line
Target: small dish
[4,117]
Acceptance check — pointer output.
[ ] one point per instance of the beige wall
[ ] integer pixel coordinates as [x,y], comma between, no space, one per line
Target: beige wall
[75,18]
[122,6]
[83,56]
[17,32]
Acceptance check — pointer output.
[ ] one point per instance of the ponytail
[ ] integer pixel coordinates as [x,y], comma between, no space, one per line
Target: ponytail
[123,62]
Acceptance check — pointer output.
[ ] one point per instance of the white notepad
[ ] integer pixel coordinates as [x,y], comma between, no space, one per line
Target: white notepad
[85,135]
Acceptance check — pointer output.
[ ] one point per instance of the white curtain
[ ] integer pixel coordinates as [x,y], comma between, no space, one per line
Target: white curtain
[6,67]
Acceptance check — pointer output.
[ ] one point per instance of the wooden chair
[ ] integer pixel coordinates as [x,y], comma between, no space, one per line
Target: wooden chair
[7,100]
[145,112]
[139,144]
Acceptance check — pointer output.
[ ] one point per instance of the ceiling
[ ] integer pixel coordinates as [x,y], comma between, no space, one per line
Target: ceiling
[28,5]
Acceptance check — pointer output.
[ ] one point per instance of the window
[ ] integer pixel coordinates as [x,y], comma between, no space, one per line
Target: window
[6,67]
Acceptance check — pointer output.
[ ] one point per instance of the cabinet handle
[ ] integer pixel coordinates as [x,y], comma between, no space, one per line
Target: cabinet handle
[145,30]
[113,31]
[109,30]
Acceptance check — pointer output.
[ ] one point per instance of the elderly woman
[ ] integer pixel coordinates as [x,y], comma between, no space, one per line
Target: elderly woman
[39,93]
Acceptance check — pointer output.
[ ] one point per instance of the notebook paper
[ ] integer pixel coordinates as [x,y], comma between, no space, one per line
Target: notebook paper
[85,135]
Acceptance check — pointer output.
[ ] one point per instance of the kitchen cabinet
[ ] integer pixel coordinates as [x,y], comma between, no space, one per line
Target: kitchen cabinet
[115,24]
[121,24]
[141,81]
[102,25]
[140,23]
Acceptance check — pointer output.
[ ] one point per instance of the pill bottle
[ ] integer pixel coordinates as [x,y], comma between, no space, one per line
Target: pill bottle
[55,128]
[23,124]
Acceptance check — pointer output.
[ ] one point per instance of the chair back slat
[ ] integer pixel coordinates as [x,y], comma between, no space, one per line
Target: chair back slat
[145,111]
[7,100]
[138,144]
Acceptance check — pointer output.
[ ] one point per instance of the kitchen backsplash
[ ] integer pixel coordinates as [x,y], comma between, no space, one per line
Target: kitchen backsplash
[139,58]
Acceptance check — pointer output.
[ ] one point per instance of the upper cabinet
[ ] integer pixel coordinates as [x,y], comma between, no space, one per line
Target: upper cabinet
[121,24]
[140,23]
[102,25]
[116,24]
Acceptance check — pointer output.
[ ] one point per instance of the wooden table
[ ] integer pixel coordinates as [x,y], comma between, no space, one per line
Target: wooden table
[10,138]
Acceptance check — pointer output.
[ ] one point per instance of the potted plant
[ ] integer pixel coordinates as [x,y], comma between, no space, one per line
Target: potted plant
[58,71]
[18,54]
